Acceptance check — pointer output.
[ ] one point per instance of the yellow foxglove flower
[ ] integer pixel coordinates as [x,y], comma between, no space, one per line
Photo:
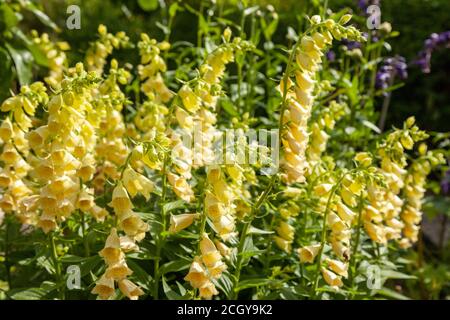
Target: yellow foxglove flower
[130,290]
[85,200]
[181,221]
[308,254]
[6,130]
[338,267]
[283,244]
[286,231]
[190,100]
[98,213]
[331,278]
[210,255]
[181,187]
[112,252]
[127,244]
[208,291]
[104,287]
[120,200]
[348,197]
[224,250]
[47,222]
[133,225]
[197,275]
[322,189]
[344,212]
[118,270]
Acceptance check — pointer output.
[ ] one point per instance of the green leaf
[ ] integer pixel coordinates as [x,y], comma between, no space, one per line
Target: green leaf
[148,5]
[9,17]
[7,74]
[170,294]
[229,107]
[41,16]
[89,264]
[173,205]
[250,10]
[224,284]
[29,294]
[391,274]
[251,283]
[175,266]
[140,274]
[258,231]
[372,126]
[391,294]
[23,63]
[69,258]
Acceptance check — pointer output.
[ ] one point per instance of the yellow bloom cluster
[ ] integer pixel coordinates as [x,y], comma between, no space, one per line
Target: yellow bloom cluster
[207,266]
[114,255]
[196,114]
[17,194]
[414,191]
[110,150]
[152,65]
[63,161]
[298,95]
[99,50]
[382,217]
[318,138]
[56,57]
[219,203]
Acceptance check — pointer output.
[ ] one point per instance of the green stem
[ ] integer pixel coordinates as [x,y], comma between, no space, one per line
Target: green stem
[239,87]
[83,231]
[160,238]
[7,262]
[323,236]
[59,278]
[357,238]
[243,236]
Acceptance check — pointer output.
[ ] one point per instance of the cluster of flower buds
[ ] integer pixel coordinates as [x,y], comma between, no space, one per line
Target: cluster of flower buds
[99,51]
[110,150]
[56,57]
[326,120]
[152,65]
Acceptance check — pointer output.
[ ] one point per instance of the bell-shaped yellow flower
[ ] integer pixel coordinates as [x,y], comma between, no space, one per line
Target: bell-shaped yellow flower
[104,287]
[331,278]
[181,221]
[129,289]
[308,254]
[112,251]
[120,200]
[118,270]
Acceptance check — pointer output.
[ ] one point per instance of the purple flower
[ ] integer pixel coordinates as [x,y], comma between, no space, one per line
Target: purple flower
[364,4]
[445,183]
[435,41]
[351,44]
[391,68]
[331,56]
